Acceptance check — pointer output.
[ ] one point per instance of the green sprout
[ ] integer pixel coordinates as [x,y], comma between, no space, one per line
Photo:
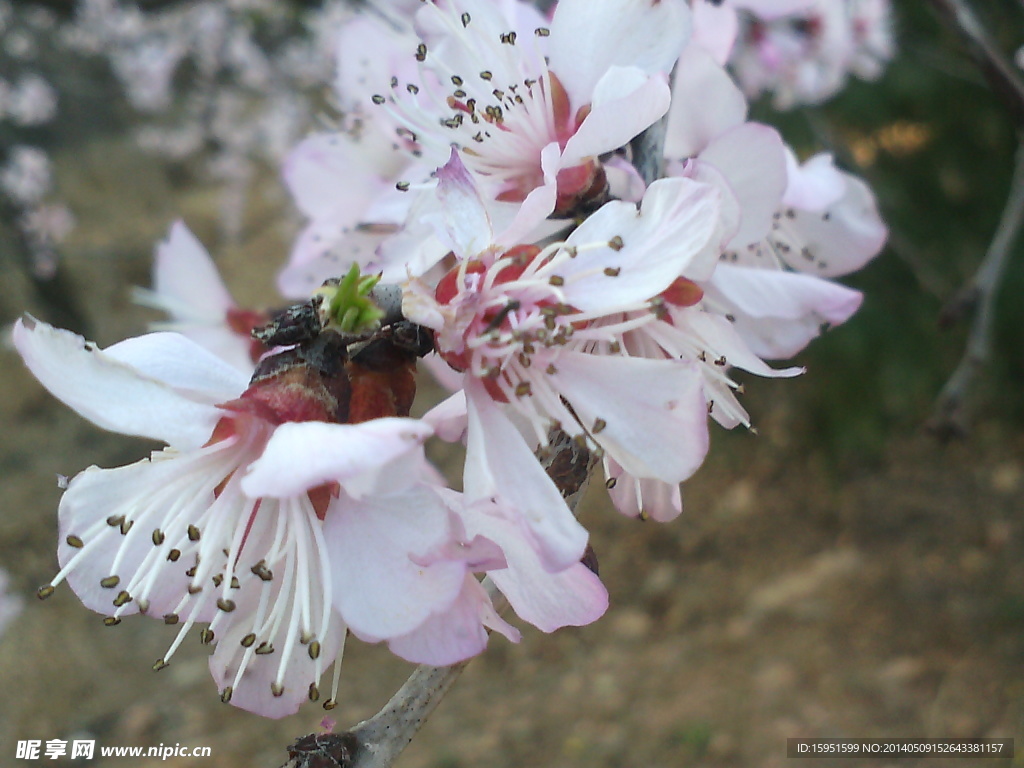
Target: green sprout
[351,310]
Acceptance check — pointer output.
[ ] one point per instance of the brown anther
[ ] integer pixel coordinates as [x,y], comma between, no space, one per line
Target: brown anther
[74,541]
[110,582]
[225,605]
[111,621]
[44,592]
[158,537]
[611,482]
[170,618]
[421,52]
[556,280]
[225,695]
[542,31]
[486,75]
[264,649]
[248,640]
[314,692]
[314,650]
[126,526]
[616,243]
[599,425]
[402,186]
[612,271]
[261,570]
[377,99]
[159,664]
[234,582]
[330,704]
[206,636]
[115,520]
[123,598]
[465,19]
[193,533]
[277,689]
[173,555]
[194,589]
[523,389]
[509,38]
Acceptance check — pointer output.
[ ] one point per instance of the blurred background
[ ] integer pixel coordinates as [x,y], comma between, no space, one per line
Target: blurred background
[845,572]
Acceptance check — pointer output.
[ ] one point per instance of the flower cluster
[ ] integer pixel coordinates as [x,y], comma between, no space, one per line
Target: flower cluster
[478,208]
[27,101]
[801,51]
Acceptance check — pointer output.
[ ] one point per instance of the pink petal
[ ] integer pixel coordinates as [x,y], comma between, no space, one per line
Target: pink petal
[714,29]
[844,238]
[662,502]
[381,586]
[499,465]
[588,37]
[303,455]
[705,103]
[253,692]
[465,215]
[169,397]
[751,158]
[332,175]
[92,497]
[186,279]
[454,635]
[626,102]
[659,430]
[675,232]
[571,597]
[814,185]
[449,418]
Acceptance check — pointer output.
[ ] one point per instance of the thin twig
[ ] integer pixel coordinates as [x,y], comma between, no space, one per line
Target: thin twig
[950,417]
[1002,76]
[377,742]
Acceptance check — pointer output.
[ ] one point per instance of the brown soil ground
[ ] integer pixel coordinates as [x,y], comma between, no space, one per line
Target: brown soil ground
[790,600]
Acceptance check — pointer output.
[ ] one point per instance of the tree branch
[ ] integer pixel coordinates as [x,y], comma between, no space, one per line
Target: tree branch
[377,742]
[998,70]
[950,417]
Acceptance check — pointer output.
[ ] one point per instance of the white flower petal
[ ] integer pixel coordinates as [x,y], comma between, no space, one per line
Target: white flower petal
[303,455]
[675,232]
[590,36]
[105,387]
[452,636]
[705,103]
[653,411]
[751,158]
[778,313]
[846,237]
[382,588]
[571,597]
[626,102]
[186,280]
[500,465]
[466,220]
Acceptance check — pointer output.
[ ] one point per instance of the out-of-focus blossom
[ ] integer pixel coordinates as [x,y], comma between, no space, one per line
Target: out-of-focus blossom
[806,57]
[26,176]
[11,604]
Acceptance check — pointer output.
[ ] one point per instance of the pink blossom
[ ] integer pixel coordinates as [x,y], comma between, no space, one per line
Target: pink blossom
[188,287]
[544,332]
